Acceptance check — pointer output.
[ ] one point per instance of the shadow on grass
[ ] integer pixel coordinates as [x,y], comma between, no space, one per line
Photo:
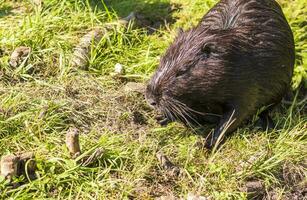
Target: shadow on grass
[150,14]
[5,10]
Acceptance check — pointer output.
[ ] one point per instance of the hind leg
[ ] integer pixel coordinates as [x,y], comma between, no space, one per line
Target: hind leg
[265,121]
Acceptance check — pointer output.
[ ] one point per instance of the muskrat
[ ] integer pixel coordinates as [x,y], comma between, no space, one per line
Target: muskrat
[238,59]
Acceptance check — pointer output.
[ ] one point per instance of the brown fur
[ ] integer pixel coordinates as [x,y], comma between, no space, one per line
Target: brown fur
[239,58]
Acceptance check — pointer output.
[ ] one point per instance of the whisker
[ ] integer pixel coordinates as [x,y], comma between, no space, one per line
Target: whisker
[182,112]
[171,108]
[187,112]
[181,115]
[175,109]
[166,111]
[195,111]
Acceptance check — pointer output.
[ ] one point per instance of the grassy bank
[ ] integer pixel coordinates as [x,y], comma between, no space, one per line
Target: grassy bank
[43,97]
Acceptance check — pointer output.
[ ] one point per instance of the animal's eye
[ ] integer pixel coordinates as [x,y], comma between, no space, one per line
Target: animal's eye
[206,50]
[181,72]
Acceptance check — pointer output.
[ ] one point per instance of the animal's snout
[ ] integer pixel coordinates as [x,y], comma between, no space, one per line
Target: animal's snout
[151,98]
[152,102]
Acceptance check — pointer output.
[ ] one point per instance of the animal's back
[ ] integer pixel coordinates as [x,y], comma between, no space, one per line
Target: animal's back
[264,42]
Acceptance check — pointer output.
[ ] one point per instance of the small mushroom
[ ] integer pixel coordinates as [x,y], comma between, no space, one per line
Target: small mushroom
[119,72]
[119,69]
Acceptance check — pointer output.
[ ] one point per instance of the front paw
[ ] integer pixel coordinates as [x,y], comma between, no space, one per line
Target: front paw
[162,120]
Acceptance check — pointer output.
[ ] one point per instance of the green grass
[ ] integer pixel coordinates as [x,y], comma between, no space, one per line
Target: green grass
[39,101]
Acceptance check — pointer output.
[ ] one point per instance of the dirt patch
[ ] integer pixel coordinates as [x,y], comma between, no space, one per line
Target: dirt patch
[255,189]
[293,185]
[167,165]
[108,108]
[19,55]
[159,184]
[294,177]
[293,174]
[138,118]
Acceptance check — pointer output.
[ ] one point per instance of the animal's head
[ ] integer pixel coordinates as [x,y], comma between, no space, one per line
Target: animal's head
[184,73]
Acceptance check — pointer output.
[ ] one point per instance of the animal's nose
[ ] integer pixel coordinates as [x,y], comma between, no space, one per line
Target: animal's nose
[151,96]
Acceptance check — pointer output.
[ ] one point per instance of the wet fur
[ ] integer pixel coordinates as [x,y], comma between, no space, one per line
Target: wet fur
[239,58]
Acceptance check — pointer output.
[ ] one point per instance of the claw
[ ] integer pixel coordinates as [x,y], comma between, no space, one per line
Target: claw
[159,117]
[164,122]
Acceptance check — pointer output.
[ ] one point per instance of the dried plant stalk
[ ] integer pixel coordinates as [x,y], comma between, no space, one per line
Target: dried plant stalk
[192,196]
[19,55]
[94,157]
[72,142]
[168,165]
[9,166]
[82,51]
